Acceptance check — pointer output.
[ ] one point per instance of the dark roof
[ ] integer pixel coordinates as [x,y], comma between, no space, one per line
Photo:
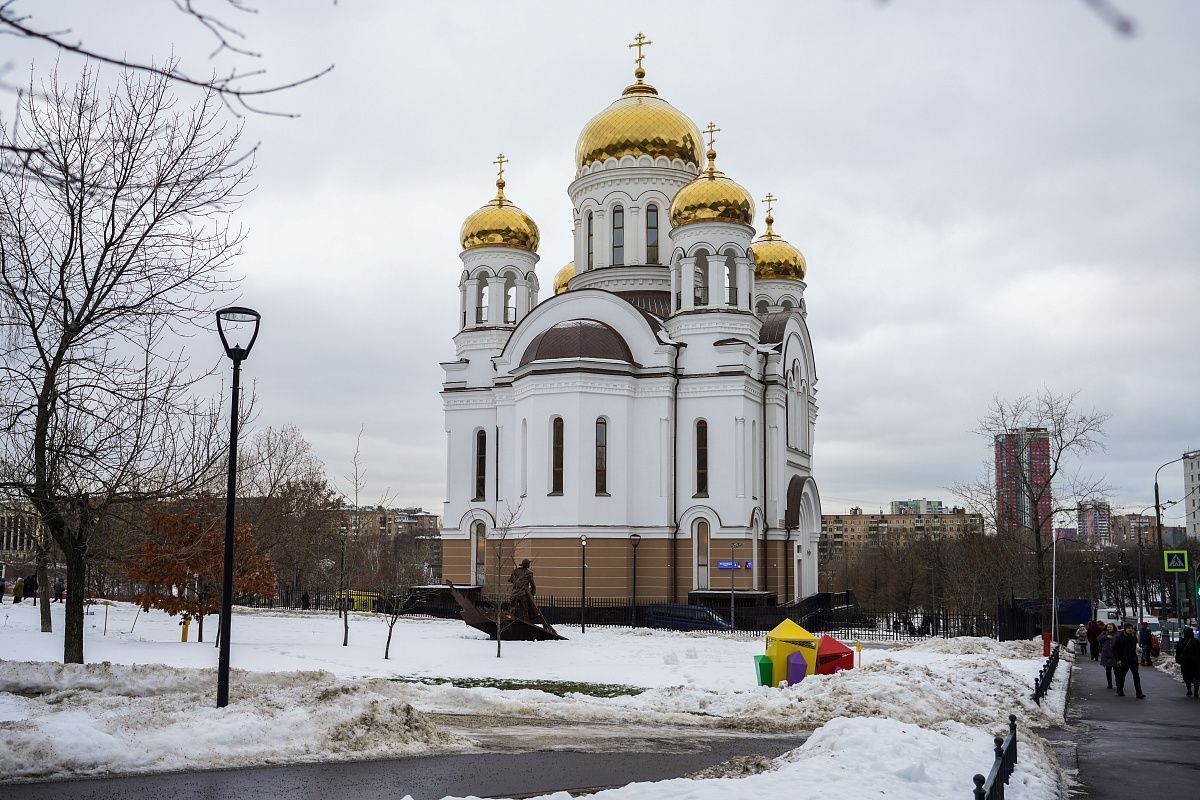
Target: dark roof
[773,327]
[578,338]
[656,303]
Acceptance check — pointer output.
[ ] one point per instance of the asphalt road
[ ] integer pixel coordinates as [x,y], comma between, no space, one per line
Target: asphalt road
[507,774]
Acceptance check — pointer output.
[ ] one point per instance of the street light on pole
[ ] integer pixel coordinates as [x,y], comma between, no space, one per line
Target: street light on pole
[1158,527]
[241,325]
[634,540]
[733,564]
[583,583]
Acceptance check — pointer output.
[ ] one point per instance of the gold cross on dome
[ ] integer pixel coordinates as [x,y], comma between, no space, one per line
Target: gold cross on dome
[500,162]
[770,201]
[711,130]
[639,42]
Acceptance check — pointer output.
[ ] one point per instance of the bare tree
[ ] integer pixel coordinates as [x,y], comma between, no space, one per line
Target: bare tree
[104,266]
[357,480]
[397,566]
[1039,487]
[503,536]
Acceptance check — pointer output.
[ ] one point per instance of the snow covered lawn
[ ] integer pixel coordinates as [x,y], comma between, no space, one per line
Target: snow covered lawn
[302,696]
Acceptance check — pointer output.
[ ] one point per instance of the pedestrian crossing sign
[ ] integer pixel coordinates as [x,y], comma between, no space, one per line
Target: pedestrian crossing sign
[1175,561]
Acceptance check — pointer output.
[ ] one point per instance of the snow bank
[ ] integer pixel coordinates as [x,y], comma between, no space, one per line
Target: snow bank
[852,759]
[103,718]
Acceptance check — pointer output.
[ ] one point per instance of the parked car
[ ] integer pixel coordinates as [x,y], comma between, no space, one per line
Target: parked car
[684,618]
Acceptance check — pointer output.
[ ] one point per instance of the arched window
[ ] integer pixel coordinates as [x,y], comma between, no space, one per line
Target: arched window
[651,234]
[481,298]
[700,281]
[510,298]
[602,456]
[702,547]
[590,240]
[618,236]
[479,534]
[731,287]
[761,307]
[556,456]
[787,304]
[701,458]
[480,465]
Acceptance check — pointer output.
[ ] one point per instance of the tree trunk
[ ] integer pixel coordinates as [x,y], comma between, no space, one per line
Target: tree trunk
[345,624]
[388,644]
[73,619]
[44,586]
[200,630]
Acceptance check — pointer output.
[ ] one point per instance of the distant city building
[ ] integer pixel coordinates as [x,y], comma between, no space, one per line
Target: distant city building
[1094,522]
[918,507]
[1023,481]
[18,531]
[858,529]
[1191,493]
[1127,528]
[1066,534]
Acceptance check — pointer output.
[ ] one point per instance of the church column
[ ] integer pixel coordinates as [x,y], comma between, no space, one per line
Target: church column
[524,302]
[745,280]
[687,275]
[463,318]
[495,308]
[635,236]
[601,241]
[471,289]
[716,280]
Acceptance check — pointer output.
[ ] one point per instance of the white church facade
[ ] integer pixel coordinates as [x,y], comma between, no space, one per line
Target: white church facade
[658,408]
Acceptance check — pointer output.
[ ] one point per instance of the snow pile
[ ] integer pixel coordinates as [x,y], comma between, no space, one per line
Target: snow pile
[852,759]
[103,718]
[979,645]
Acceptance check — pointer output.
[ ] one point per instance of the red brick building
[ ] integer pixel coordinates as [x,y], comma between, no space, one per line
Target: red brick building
[1023,495]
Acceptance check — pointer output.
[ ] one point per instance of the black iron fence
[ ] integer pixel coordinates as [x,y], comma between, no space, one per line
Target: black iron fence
[1045,676]
[992,787]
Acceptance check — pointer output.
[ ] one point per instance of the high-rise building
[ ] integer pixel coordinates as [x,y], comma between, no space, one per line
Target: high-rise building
[918,507]
[1023,501]
[1191,493]
[1094,521]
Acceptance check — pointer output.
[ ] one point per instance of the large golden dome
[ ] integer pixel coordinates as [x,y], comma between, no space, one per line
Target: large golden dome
[639,123]
[712,197]
[499,223]
[563,277]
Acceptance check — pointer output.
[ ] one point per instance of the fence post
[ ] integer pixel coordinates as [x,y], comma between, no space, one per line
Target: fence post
[1012,730]
[979,779]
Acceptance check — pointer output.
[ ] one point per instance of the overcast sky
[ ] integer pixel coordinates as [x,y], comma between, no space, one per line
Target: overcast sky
[992,197]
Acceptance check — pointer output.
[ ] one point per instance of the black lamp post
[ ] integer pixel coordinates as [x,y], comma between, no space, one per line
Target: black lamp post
[733,567]
[240,325]
[634,540]
[583,583]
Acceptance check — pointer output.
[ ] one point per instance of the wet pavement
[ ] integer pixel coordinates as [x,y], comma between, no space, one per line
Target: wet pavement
[525,757]
[1123,747]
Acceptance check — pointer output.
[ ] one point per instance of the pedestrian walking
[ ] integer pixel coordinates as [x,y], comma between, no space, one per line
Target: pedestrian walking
[1093,637]
[31,587]
[1125,649]
[3,586]
[18,591]
[305,602]
[1146,642]
[1108,659]
[60,586]
[1187,655]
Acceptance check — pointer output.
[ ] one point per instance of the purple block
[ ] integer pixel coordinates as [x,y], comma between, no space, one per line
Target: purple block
[797,668]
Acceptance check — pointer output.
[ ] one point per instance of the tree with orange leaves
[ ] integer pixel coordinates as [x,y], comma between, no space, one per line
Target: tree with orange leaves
[180,564]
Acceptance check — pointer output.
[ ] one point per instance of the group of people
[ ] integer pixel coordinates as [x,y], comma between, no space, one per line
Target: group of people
[1123,651]
[27,587]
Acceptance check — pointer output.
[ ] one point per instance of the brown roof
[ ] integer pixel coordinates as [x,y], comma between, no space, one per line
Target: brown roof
[773,327]
[578,338]
[656,303]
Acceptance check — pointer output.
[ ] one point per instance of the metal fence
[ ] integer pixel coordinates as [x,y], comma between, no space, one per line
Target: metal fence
[992,787]
[1045,676]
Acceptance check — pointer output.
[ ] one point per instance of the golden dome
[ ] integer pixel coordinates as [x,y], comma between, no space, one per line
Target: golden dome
[563,277]
[774,258]
[639,123]
[712,197]
[499,223]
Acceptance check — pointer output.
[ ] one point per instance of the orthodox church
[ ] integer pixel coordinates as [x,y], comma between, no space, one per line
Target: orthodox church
[650,424]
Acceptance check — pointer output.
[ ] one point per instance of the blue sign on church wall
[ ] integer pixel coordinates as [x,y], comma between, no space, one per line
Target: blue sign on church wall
[729,565]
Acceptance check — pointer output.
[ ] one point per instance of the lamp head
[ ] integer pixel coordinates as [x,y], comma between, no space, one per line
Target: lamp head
[241,325]
[583,540]
[635,539]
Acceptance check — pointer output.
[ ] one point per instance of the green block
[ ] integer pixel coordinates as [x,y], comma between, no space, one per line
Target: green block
[764,668]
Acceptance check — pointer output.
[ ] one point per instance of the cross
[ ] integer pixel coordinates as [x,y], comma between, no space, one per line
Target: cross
[500,162]
[639,42]
[711,130]
[770,201]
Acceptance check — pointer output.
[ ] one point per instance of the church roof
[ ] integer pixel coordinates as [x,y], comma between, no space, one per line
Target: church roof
[578,338]
[773,327]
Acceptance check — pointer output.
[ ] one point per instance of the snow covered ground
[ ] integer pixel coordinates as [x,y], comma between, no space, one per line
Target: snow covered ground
[933,697]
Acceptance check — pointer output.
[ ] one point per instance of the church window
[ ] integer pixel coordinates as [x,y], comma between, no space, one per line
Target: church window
[700,281]
[481,305]
[651,234]
[787,304]
[701,458]
[590,240]
[601,456]
[618,236]
[702,547]
[731,288]
[480,536]
[761,307]
[556,456]
[480,464]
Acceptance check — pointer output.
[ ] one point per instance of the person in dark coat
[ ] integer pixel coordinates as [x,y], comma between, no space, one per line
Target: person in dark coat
[60,586]
[31,587]
[1187,654]
[1108,659]
[1093,636]
[1146,642]
[1125,649]
[305,602]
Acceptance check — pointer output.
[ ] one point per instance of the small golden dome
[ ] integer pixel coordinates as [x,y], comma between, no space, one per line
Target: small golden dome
[639,123]
[563,277]
[774,258]
[499,223]
[712,197]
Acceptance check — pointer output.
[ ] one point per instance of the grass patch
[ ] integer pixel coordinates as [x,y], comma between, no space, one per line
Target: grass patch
[559,688]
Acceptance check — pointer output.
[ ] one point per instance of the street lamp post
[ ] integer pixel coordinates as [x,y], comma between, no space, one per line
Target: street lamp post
[634,540]
[733,546]
[1158,528]
[583,584]
[240,324]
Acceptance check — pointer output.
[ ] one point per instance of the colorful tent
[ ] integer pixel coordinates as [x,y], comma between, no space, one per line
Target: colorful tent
[785,639]
[833,656]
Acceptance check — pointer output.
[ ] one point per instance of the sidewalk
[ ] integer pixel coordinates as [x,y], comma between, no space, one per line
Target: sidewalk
[1126,747]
